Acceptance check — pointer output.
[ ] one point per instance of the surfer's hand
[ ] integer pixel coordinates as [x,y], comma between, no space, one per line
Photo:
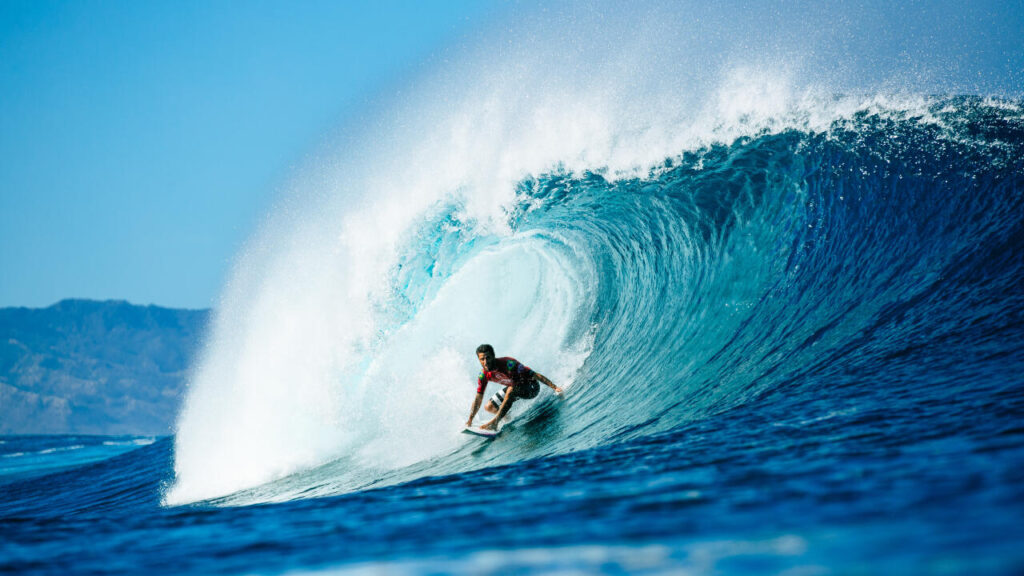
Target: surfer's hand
[558,391]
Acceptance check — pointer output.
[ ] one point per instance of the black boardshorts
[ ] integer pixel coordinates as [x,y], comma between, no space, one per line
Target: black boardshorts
[525,391]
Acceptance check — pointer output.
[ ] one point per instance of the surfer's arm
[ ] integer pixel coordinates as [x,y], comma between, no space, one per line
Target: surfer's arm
[476,407]
[540,378]
[505,405]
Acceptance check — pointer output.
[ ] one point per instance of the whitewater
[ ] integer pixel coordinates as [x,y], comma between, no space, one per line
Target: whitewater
[781,290]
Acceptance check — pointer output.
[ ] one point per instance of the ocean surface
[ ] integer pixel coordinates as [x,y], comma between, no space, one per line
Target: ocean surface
[799,351]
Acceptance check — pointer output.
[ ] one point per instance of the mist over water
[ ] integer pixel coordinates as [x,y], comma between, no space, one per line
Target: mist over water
[662,211]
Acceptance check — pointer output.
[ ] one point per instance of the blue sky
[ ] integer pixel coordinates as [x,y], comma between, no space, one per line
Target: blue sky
[142,142]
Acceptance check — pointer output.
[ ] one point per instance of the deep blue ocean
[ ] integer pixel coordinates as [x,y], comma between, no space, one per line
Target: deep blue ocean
[802,353]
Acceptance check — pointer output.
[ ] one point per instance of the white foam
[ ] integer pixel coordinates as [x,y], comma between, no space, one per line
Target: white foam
[131,442]
[61,449]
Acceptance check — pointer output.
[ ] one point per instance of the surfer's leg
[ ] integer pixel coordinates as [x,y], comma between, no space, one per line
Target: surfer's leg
[506,407]
[495,402]
[528,391]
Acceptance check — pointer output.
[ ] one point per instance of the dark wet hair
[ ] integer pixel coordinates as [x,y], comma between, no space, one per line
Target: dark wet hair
[486,349]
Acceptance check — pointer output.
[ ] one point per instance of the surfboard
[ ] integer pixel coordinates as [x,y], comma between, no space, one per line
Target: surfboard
[479,432]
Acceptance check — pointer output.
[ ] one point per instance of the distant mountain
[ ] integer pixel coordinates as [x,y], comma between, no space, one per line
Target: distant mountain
[87,367]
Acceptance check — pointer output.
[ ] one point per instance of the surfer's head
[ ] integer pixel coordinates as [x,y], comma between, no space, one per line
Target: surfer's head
[485,354]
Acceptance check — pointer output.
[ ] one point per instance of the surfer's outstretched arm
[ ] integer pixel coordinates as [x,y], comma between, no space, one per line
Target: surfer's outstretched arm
[540,378]
[476,407]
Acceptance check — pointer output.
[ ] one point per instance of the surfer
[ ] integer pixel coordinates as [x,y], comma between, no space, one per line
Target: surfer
[518,381]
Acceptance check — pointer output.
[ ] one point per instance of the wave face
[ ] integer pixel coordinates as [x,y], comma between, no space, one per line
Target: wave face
[796,261]
[669,225]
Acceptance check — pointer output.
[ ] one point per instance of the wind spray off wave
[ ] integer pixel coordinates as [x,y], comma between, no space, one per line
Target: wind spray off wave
[667,240]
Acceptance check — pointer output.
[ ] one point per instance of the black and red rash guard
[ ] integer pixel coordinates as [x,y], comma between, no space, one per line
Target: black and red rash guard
[506,371]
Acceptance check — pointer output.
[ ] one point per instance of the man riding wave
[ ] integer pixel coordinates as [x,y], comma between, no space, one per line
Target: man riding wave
[518,381]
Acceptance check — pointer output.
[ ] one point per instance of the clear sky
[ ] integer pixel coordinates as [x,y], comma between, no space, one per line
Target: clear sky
[142,142]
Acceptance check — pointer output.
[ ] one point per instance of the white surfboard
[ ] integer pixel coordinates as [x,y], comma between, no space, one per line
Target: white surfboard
[479,432]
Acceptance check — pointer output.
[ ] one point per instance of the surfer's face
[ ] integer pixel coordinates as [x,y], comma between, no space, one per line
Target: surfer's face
[483,359]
